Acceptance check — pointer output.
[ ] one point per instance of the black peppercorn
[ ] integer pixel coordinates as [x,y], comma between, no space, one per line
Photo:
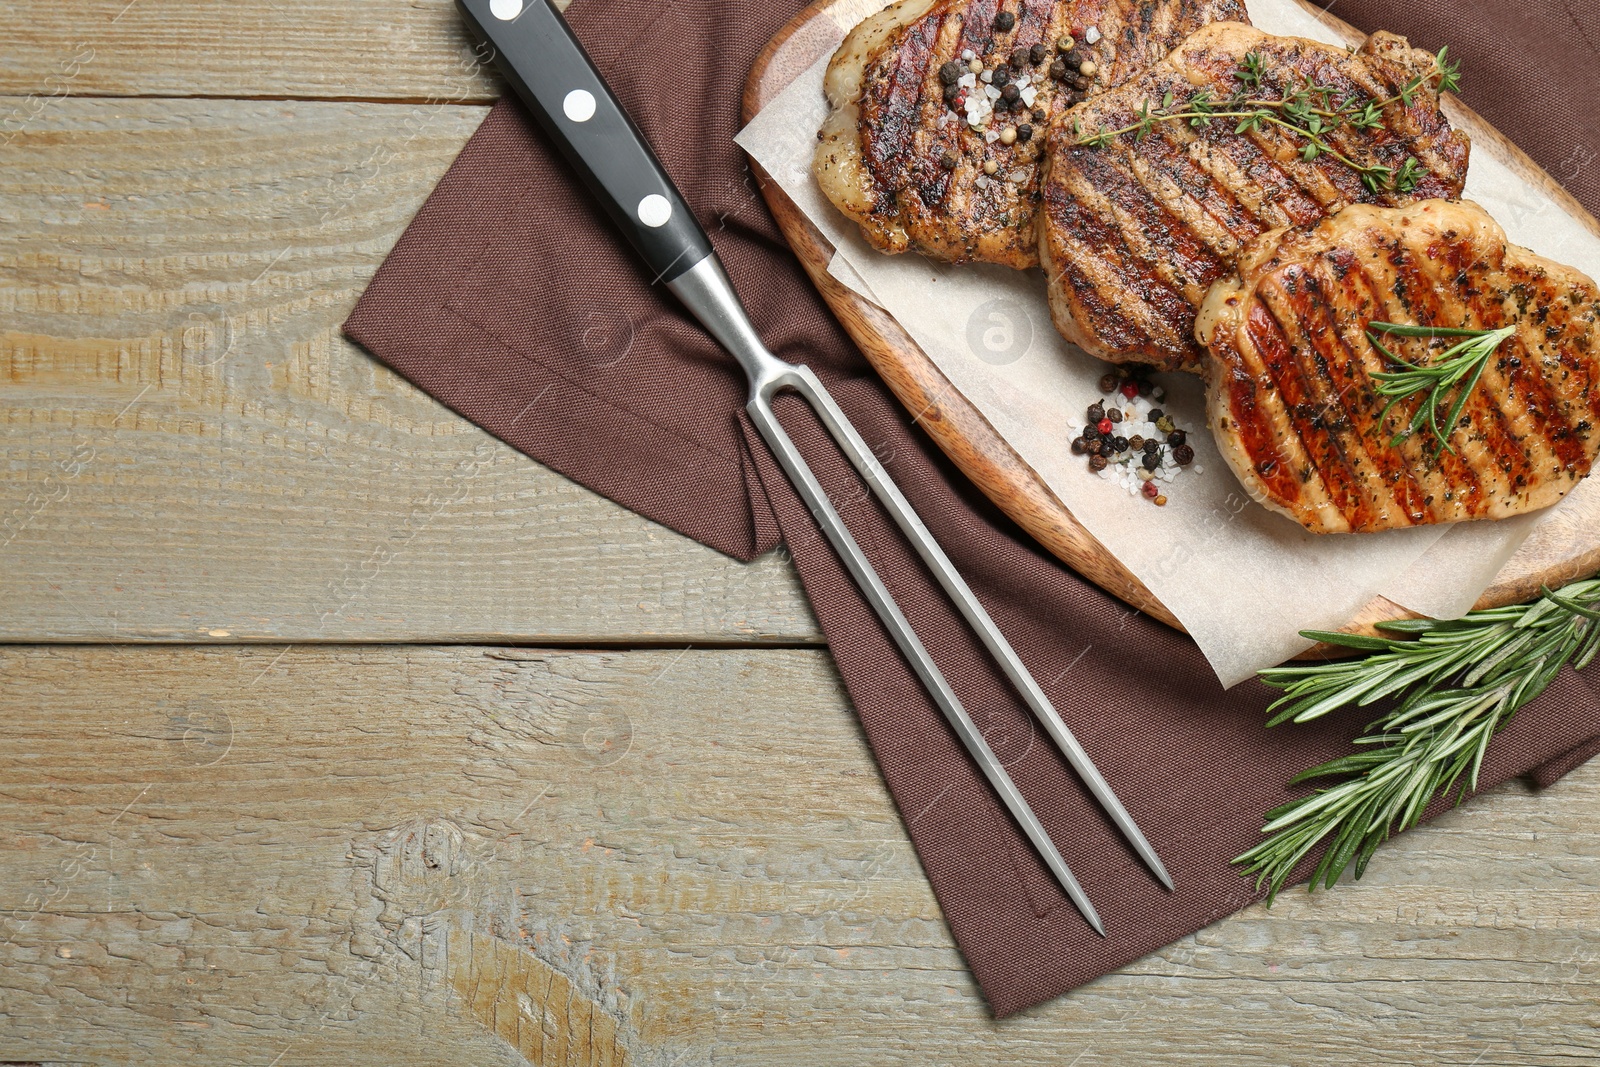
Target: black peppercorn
[1177,437]
[1039,115]
[1000,77]
[948,161]
[1183,455]
[1005,21]
[1155,413]
[1010,93]
[1091,434]
[1073,99]
[951,92]
[1152,460]
[1058,70]
[1079,446]
[1136,443]
[1037,53]
[1108,447]
[1019,58]
[1120,443]
[1152,446]
[1096,413]
[1145,385]
[1108,384]
[1078,81]
[1024,133]
[950,73]
[1097,463]
[1114,414]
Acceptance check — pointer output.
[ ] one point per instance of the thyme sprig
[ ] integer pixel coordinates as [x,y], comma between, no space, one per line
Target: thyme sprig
[1456,685]
[1452,376]
[1309,112]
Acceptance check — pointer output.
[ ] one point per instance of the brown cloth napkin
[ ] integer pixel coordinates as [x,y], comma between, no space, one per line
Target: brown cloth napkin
[512,300]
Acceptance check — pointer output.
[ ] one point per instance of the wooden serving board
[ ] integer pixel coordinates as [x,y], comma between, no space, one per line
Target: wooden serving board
[1562,549]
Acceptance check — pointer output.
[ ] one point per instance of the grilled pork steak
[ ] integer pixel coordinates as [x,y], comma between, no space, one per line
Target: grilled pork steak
[924,154]
[1291,395]
[1136,226]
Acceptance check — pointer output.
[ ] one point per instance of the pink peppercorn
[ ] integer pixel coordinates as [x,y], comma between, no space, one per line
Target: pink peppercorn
[1130,389]
[1151,491]
[1104,426]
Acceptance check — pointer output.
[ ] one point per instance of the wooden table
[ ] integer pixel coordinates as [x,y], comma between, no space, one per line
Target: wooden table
[333,731]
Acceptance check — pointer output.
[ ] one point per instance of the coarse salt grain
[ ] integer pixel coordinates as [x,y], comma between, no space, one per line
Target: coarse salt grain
[991,92]
[1020,174]
[987,76]
[1029,95]
[982,182]
[968,55]
[992,136]
[967,80]
[1093,36]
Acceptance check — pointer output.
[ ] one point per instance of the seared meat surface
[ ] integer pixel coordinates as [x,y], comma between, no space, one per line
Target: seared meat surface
[1290,386]
[927,155]
[1137,224]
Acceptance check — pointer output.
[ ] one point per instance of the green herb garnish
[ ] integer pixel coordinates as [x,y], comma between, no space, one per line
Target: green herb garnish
[1457,369]
[1457,684]
[1310,112]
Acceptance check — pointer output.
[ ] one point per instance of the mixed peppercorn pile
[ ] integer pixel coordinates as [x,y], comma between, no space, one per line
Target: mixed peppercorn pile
[1129,439]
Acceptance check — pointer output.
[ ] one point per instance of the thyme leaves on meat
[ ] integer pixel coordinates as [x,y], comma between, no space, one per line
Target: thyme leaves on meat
[1454,684]
[1309,112]
[1450,378]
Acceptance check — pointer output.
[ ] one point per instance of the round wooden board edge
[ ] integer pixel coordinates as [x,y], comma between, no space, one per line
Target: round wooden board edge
[963,433]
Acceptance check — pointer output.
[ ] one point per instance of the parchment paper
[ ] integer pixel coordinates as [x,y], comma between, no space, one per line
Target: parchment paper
[1244,581]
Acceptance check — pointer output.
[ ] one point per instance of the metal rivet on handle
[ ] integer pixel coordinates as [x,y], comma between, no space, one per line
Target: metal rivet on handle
[655,210]
[505,10]
[579,105]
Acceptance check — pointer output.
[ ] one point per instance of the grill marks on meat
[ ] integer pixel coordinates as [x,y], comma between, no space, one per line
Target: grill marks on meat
[880,156]
[1290,383]
[1133,234]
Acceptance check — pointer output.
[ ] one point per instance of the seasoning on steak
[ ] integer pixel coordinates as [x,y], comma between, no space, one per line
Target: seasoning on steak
[940,109]
[1137,225]
[1291,395]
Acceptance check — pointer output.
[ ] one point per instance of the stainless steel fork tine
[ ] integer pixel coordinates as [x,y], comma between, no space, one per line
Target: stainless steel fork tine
[905,516]
[882,601]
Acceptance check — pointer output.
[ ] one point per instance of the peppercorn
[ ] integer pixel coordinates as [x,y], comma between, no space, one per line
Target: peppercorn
[1024,133]
[1087,68]
[1136,443]
[1097,463]
[1073,99]
[1151,447]
[1019,57]
[1115,414]
[1010,93]
[948,161]
[990,166]
[975,66]
[950,73]
[1065,42]
[1005,21]
[1058,70]
[1080,82]
[1155,413]
[1091,434]
[1104,426]
[1097,412]
[1079,446]
[1037,53]
[1183,455]
[1108,447]
[1121,443]
[1165,425]
[1145,385]
[1129,389]
[1039,116]
[1176,438]
[952,93]
[1161,501]
[1150,490]
[1151,461]
[1000,77]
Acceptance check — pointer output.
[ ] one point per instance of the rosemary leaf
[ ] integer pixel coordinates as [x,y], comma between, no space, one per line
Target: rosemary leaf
[1455,685]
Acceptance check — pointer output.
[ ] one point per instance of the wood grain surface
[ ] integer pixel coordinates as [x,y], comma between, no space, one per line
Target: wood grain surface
[1558,551]
[192,449]
[471,855]
[409,853]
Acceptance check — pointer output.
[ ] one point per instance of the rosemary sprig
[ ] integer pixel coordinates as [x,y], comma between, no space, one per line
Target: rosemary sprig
[1457,369]
[1309,112]
[1456,683]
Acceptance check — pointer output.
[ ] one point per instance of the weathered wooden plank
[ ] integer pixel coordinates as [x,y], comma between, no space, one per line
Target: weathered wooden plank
[190,450]
[360,49]
[415,855]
